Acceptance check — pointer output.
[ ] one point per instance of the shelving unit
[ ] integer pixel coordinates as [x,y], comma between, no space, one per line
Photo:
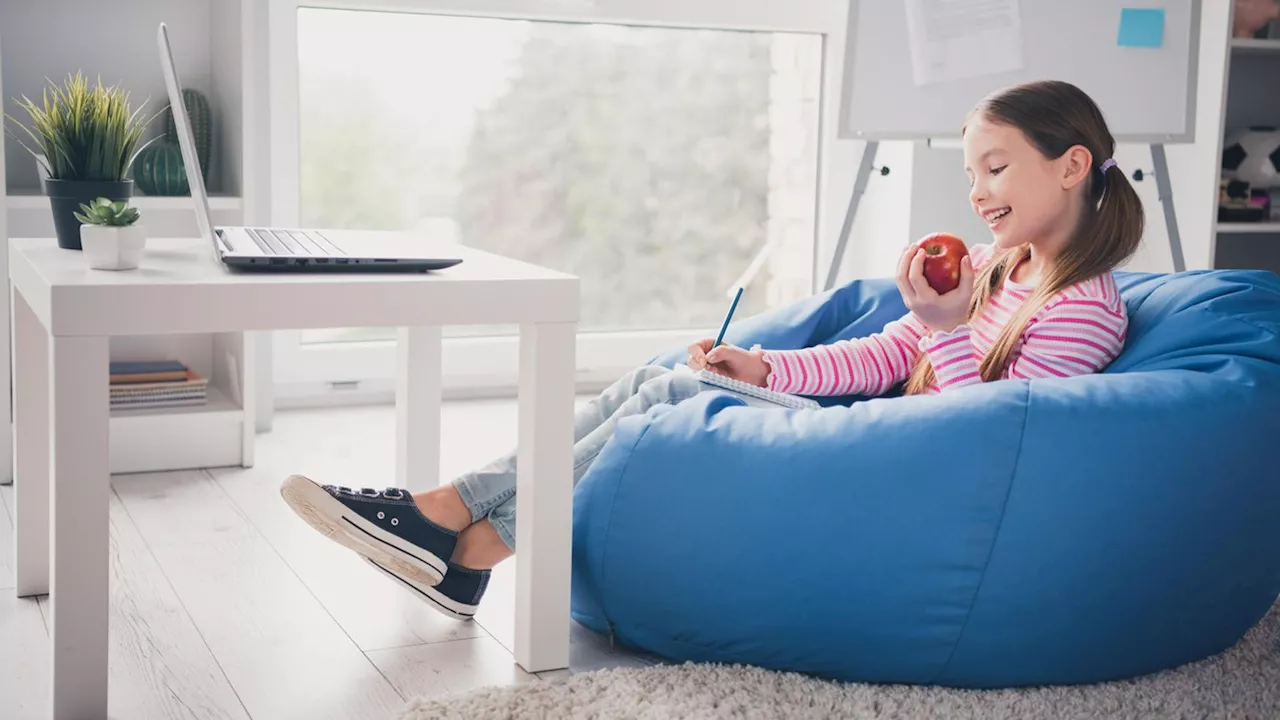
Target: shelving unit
[218,46]
[1254,45]
[30,199]
[29,214]
[1240,228]
[1249,99]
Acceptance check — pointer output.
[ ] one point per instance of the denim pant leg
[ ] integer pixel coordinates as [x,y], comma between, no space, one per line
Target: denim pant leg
[491,490]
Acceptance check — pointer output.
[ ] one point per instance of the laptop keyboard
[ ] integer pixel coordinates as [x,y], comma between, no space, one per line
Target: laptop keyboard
[293,242]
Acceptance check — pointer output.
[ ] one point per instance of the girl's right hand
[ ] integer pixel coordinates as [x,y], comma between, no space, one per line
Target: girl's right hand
[747,366]
[940,313]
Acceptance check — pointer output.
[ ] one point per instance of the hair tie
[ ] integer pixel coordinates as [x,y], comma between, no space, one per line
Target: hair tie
[1106,164]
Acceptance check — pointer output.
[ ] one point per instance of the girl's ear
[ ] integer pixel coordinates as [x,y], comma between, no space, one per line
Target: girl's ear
[1076,164]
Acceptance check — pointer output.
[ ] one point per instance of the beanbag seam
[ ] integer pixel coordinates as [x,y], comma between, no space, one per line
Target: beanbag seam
[995,537]
[1264,328]
[608,535]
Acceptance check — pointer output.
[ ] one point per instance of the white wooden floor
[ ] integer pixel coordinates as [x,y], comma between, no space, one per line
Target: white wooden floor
[226,605]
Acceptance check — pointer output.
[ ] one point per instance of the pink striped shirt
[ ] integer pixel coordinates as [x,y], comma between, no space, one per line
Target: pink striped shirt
[1080,330]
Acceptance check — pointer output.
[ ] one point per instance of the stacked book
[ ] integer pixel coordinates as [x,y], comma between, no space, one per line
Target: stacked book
[150,384]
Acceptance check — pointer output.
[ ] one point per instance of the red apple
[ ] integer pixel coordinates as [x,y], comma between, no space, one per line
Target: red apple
[943,253]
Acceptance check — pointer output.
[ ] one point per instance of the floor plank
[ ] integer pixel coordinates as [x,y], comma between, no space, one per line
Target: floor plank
[282,652]
[6,538]
[449,667]
[497,612]
[24,639]
[281,614]
[361,452]
[439,668]
[375,612]
[24,659]
[160,665]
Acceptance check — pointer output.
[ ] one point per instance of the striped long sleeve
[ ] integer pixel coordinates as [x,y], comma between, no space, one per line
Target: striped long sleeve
[863,366]
[1074,335]
[954,358]
[1080,330]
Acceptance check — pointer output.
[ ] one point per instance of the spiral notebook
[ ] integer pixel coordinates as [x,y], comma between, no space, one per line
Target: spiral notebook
[785,400]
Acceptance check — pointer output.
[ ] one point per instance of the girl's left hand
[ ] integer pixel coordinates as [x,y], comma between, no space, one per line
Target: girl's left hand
[940,313]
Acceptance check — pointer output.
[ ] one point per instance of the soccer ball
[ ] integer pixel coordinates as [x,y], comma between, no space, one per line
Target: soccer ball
[1253,155]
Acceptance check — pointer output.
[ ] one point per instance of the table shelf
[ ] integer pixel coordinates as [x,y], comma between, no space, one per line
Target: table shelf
[183,437]
[215,402]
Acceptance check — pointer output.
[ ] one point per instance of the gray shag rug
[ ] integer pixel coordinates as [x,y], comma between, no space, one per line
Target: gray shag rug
[1240,683]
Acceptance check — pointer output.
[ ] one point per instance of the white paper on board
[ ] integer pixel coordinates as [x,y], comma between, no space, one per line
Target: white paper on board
[954,39]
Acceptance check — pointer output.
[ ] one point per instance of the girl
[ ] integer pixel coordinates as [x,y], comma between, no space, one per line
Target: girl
[1040,301]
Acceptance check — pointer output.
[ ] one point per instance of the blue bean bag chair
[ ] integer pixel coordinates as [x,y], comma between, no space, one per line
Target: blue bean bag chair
[1011,533]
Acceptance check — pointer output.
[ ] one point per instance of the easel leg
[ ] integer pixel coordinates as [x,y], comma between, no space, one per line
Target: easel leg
[859,187]
[1165,191]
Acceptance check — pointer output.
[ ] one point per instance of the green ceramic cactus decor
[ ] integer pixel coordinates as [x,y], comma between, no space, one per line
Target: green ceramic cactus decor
[201,119]
[159,169]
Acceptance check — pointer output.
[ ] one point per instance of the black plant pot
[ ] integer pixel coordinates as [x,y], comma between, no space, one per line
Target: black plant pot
[66,196]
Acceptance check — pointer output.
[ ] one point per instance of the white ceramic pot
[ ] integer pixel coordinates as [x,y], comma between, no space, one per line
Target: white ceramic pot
[113,248]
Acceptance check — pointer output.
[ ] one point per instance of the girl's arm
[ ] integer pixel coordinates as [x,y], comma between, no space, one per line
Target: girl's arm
[1078,335]
[866,366]
[863,366]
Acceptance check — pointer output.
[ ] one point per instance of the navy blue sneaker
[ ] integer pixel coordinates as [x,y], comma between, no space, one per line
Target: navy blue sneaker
[457,596]
[384,526]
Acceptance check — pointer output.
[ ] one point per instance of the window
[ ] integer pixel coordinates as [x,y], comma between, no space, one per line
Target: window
[662,165]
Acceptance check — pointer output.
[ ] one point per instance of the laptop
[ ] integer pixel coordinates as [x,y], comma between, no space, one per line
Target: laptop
[294,249]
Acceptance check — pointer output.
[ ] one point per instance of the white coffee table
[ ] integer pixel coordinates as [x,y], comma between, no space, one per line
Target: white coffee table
[65,313]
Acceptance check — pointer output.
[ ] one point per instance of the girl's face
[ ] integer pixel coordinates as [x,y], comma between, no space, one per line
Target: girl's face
[1023,196]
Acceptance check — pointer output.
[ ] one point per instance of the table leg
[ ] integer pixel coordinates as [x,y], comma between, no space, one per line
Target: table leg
[544,495]
[31,449]
[79,557]
[418,390]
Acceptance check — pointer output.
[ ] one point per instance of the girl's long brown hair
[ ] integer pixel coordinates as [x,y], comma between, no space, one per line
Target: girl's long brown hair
[1054,116]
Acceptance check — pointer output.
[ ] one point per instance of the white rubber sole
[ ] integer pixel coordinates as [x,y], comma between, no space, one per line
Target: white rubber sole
[335,521]
[429,595]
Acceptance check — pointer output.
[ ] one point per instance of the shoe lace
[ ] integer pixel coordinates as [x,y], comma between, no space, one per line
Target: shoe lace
[391,493]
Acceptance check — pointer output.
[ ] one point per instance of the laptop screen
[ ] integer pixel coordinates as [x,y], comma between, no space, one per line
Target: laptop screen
[186,139]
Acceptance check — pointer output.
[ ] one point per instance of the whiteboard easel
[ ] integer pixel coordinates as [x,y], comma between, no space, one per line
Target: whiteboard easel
[1147,94]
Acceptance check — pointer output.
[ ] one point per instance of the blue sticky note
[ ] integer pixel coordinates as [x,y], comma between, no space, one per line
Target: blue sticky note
[1141,27]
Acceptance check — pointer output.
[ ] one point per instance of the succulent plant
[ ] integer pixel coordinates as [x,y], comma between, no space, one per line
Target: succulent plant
[102,211]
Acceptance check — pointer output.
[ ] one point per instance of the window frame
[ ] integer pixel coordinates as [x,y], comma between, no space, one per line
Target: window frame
[333,373]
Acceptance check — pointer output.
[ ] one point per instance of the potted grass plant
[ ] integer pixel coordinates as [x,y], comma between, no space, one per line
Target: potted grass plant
[111,235]
[86,138]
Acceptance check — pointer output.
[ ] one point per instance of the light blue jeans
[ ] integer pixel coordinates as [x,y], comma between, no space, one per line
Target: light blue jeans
[491,491]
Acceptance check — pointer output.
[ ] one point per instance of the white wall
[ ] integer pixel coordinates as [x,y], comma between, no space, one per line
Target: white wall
[883,221]
[884,214]
[941,195]
[131,61]
[1195,167]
